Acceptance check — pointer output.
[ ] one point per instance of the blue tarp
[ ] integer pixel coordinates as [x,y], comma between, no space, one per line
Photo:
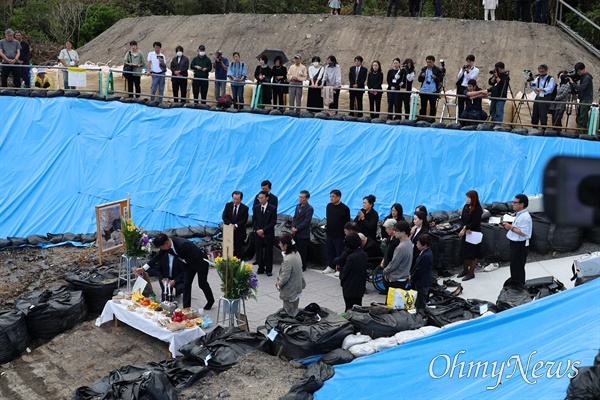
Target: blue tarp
[534,347]
[60,157]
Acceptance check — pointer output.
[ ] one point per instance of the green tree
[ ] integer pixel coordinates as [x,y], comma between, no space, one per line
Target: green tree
[98,19]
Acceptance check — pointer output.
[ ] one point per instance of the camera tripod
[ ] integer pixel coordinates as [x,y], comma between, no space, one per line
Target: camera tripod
[569,106]
[520,104]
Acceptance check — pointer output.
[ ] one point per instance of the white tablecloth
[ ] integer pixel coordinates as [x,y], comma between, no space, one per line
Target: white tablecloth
[149,326]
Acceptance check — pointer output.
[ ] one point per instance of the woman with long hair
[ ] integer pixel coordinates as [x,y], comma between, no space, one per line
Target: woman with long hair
[471,221]
[393,81]
[279,76]
[407,76]
[316,72]
[290,280]
[396,214]
[420,226]
[332,79]
[374,81]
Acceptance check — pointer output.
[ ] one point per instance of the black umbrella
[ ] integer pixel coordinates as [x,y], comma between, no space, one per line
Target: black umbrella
[271,54]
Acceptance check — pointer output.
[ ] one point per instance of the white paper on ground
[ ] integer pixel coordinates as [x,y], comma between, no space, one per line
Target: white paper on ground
[474,237]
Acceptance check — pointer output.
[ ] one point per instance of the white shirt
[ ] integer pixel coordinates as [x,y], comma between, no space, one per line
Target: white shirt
[68,56]
[524,223]
[467,76]
[155,65]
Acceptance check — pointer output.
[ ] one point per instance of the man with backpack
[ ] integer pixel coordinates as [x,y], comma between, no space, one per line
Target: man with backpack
[544,86]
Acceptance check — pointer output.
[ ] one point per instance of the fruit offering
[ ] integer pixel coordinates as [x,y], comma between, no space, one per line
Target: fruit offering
[153,305]
[137,296]
[145,302]
[178,316]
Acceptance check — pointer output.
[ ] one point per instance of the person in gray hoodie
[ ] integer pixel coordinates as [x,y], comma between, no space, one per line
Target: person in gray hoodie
[290,281]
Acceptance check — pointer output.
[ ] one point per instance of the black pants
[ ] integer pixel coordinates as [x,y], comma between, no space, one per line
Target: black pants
[523,10]
[179,84]
[336,100]
[335,247]
[8,69]
[134,81]
[375,104]
[238,242]
[422,294]
[461,100]
[404,99]
[540,113]
[394,4]
[200,87]
[302,245]
[358,98]
[413,7]
[278,97]
[393,105]
[518,259]
[428,98]
[264,253]
[350,301]
[190,273]
[396,284]
[25,74]
[557,118]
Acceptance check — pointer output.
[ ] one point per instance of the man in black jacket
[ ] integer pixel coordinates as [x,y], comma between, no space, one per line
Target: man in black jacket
[194,260]
[264,218]
[236,214]
[431,78]
[498,88]
[301,226]
[266,186]
[357,78]
[172,270]
[585,94]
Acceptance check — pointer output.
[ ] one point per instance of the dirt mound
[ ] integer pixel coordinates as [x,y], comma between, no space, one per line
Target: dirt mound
[520,45]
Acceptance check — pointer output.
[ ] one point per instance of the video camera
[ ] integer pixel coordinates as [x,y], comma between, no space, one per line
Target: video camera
[573,75]
[528,75]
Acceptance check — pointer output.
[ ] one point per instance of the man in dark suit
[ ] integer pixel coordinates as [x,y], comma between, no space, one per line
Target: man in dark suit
[266,186]
[236,214]
[170,268]
[194,260]
[357,78]
[301,226]
[264,218]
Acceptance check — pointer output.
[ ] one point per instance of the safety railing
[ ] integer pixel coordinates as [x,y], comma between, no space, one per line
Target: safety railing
[446,102]
[559,21]
[58,78]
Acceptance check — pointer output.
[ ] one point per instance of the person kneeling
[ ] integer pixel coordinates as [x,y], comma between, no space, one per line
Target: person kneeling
[42,80]
[473,109]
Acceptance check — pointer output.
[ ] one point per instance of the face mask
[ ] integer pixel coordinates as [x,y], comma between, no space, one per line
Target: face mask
[316,63]
[201,54]
[330,64]
[179,54]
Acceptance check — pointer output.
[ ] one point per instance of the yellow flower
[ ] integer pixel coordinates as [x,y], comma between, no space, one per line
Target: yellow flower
[218,260]
[248,267]
[235,259]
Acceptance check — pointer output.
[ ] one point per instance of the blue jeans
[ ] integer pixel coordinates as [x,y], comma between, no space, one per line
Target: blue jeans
[497,110]
[220,89]
[237,92]
[158,83]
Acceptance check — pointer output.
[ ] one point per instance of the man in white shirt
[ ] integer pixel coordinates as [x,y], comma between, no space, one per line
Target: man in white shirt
[519,233]
[543,86]
[157,67]
[467,72]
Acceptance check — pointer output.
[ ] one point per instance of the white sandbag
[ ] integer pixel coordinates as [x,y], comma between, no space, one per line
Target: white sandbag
[536,203]
[462,321]
[383,343]
[351,340]
[405,336]
[429,329]
[361,350]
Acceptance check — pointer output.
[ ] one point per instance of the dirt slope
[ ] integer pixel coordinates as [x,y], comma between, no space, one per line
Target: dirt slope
[520,45]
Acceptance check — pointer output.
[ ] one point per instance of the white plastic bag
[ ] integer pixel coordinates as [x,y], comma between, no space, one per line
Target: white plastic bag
[383,343]
[405,336]
[361,350]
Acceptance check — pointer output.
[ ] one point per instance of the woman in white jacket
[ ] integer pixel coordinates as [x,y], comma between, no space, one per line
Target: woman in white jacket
[490,6]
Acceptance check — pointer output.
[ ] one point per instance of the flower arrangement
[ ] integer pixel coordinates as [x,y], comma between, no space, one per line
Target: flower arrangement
[136,241]
[237,279]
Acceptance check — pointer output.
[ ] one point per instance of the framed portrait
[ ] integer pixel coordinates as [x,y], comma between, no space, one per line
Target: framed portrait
[108,223]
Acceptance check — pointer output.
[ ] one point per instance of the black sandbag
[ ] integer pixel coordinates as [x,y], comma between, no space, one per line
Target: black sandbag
[423,124]
[306,114]
[177,105]
[198,231]
[14,337]
[446,250]
[96,283]
[98,96]
[408,122]
[474,306]
[349,118]
[495,245]
[17,241]
[212,231]
[52,311]
[499,208]
[7,92]
[454,216]
[37,239]
[22,93]
[337,357]
[443,315]
[317,247]
[249,248]
[439,125]
[5,243]
[169,232]
[592,234]
[392,122]
[55,238]
[112,98]
[565,238]
[454,125]
[291,113]
[320,115]
[126,100]
[539,236]
[313,379]
[38,93]
[438,217]
[86,95]
[88,237]
[512,296]
[384,325]
[308,333]
[226,345]
[71,237]
[284,224]
[184,232]
[585,385]
[364,119]
[469,128]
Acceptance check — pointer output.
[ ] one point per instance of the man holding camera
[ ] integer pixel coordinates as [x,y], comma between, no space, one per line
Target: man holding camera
[543,85]
[431,79]
[585,94]
[467,72]
[498,88]
[221,65]
[157,67]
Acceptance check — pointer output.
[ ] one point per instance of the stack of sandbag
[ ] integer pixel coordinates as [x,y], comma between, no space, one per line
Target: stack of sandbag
[512,295]
[314,330]
[446,250]
[14,337]
[96,283]
[52,311]
[445,308]
[225,346]
[317,247]
[313,379]
[382,321]
[495,245]
[547,236]
[543,287]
